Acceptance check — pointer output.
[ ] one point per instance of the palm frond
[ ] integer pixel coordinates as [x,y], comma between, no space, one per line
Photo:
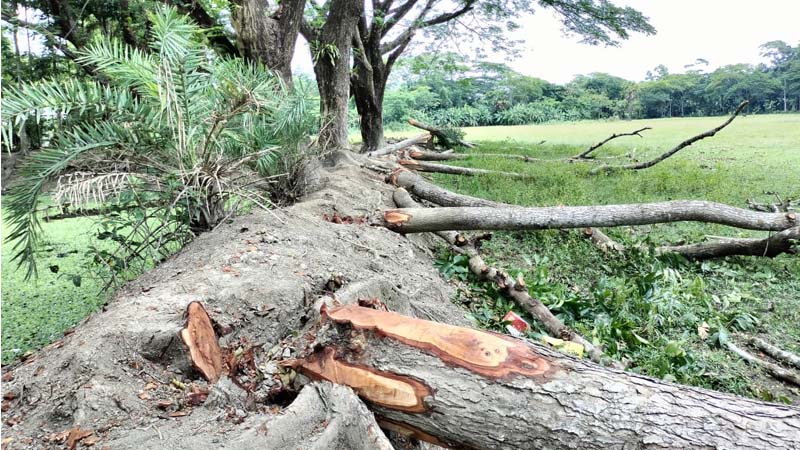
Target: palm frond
[54,99]
[43,166]
[126,66]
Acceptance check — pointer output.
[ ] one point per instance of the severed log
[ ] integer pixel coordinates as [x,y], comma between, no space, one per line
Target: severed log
[779,243]
[679,147]
[443,137]
[454,170]
[516,290]
[773,369]
[435,194]
[415,220]
[391,148]
[465,388]
[199,336]
[775,352]
[585,153]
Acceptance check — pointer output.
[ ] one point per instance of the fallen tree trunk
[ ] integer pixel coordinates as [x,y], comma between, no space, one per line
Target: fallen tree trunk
[775,352]
[454,170]
[585,153]
[446,140]
[514,289]
[415,220]
[391,148]
[772,246]
[679,147]
[467,388]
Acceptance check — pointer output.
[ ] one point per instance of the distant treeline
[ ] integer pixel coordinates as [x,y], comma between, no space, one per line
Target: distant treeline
[449,90]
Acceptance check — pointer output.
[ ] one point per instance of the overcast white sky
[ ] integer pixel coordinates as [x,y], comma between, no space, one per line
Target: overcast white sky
[720,31]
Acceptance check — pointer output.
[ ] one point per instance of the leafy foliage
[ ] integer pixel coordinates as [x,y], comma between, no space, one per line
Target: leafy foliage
[175,138]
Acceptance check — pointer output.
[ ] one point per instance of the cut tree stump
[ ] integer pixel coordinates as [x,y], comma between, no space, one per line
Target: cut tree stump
[466,388]
[415,220]
[204,350]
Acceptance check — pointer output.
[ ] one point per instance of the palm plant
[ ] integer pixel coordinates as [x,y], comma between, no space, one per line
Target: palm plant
[173,140]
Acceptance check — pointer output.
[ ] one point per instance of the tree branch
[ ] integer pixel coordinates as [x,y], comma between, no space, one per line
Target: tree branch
[594,147]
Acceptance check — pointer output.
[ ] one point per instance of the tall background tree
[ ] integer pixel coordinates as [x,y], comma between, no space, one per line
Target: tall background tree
[387,29]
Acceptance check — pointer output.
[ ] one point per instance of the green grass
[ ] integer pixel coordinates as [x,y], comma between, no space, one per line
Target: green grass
[36,312]
[643,309]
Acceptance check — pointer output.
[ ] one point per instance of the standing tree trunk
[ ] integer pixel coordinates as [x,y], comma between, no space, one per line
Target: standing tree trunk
[331,46]
[269,38]
[368,81]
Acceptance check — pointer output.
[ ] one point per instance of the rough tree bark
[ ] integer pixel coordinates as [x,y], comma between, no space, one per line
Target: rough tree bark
[330,50]
[416,220]
[475,389]
[269,37]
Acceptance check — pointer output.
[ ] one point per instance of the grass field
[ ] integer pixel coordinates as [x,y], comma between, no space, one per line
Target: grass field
[36,312]
[644,309]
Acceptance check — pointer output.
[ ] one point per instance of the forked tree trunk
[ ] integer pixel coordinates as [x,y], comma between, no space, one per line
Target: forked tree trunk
[475,389]
[415,220]
[268,39]
[331,52]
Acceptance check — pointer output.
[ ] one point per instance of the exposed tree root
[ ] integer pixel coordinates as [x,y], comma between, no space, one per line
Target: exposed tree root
[514,289]
[775,352]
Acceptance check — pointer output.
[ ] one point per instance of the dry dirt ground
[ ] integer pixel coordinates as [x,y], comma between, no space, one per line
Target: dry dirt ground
[123,374]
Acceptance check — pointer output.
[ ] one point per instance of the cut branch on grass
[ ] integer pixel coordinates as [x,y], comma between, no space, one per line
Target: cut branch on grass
[585,153]
[785,241]
[775,352]
[773,369]
[423,155]
[677,148]
[446,139]
[415,220]
[397,146]
[511,288]
[602,241]
[455,170]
